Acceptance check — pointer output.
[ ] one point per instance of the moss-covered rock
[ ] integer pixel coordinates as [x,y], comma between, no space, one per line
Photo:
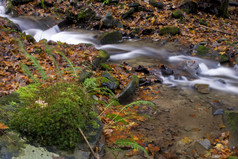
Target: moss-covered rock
[231,118]
[202,22]
[109,81]
[84,74]
[202,50]
[52,115]
[172,30]
[111,38]
[103,57]
[223,58]
[129,91]
[177,13]
[83,16]
[105,67]
[154,3]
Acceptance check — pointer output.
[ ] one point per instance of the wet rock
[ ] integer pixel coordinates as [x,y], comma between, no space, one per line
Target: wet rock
[166,71]
[172,30]
[128,14]
[218,112]
[202,88]
[12,25]
[142,69]
[103,57]
[189,6]
[108,21]
[18,2]
[202,145]
[177,14]
[154,3]
[30,39]
[192,67]
[223,58]
[111,38]
[109,81]
[231,119]
[129,91]
[51,42]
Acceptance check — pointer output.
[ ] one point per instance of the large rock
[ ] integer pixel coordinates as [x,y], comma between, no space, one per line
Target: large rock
[108,21]
[101,58]
[129,91]
[172,30]
[202,50]
[111,38]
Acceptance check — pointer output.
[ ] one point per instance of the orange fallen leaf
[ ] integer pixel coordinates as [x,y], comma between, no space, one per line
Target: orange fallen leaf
[2,126]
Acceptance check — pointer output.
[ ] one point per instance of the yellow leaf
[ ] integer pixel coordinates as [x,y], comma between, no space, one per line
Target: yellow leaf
[222,53]
[187,140]
[2,126]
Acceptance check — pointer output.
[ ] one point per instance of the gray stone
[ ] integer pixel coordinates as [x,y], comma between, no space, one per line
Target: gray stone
[108,21]
[202,145]
[218,112]
[109,81]
[129,91]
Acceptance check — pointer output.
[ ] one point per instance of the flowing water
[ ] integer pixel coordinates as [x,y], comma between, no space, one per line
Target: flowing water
[190,70]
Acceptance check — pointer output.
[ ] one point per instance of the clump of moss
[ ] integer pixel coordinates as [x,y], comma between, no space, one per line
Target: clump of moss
[172,30]
[202,50]
[177,13]
[51,116]
[231,118]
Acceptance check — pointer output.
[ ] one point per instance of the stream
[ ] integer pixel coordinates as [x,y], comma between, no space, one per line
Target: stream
[188,70]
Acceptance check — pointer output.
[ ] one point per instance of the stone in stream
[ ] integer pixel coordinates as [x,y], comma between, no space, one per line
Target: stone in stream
[202,88]
[111,38]
[166,71]
[201,50]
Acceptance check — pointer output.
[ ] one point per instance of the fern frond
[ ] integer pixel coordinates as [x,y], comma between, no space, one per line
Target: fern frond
[132,144]
[27,71]
[34,61]
[72,67]
[49,51]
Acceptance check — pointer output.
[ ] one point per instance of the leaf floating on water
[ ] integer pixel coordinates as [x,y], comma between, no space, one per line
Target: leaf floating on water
[2,126]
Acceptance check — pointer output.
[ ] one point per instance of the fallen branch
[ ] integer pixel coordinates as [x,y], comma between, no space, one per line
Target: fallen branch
[95,156]
[8,137]
[216,30]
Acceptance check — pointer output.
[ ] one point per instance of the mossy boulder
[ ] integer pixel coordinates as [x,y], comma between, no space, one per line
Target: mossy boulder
[231,119]
[84,74]
[172,30]
[202,22]
[154,3]
[52,115]
[223,58]
[177,14]
[111,38]
[109,81]
[101,58]
[12,25]
[83,16]
[202,50]
[129,91]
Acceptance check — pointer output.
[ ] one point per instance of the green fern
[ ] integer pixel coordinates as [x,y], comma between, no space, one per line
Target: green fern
[72,68]
[27,71]
[49,51]
[34,61]
[132,144]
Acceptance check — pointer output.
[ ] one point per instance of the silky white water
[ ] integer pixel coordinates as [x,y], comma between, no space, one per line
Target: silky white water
[210,72]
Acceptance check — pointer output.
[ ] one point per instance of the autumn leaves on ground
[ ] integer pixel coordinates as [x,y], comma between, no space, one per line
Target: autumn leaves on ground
[144,21]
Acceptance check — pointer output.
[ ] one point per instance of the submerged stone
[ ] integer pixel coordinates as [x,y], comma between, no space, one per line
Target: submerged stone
[202,88]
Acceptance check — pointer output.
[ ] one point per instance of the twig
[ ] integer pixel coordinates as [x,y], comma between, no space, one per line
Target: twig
[96,157]
[216,30]
[8,137]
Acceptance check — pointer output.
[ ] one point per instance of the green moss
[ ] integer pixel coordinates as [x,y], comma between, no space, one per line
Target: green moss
[177,13]
[231,118]
[85,14]
[223,58]
[53,115]
[172,30]
[202,50]
[105,67]
[103,54]
[202,22]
